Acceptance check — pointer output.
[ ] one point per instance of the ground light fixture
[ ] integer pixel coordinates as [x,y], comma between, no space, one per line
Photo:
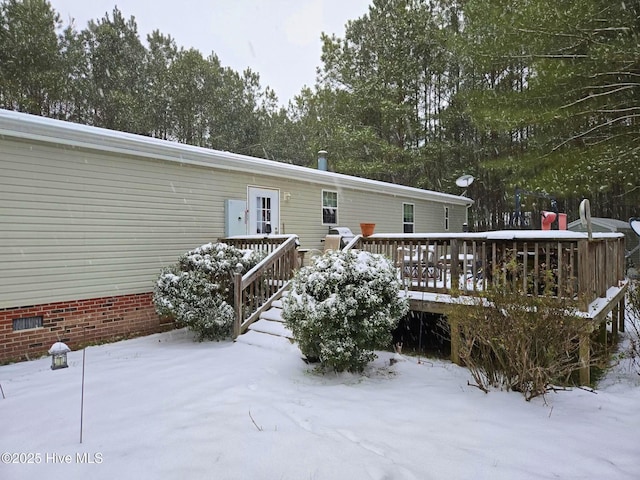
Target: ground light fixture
[58,352]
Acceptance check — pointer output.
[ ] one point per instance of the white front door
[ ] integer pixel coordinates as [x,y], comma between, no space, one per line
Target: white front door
[264,211]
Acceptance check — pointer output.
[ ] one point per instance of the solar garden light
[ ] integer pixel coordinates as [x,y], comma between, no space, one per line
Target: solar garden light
[58,352]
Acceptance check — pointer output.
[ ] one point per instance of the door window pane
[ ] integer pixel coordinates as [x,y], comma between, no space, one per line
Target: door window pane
[263,212]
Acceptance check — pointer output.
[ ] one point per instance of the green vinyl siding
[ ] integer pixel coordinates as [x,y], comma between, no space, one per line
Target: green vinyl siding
[80,222]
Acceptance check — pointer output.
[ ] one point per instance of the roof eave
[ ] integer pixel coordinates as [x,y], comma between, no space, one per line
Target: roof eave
[20,125]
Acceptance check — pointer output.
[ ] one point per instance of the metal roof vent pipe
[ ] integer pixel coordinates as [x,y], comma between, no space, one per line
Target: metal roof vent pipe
[322,161]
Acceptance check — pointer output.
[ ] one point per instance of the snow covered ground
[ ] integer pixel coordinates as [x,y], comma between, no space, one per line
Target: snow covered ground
[164,407]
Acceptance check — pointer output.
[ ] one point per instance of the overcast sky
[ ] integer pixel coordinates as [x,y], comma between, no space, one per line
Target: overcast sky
[279,39]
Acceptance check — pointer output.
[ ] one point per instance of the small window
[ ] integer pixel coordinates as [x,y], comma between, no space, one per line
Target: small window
[446,219]
[329,207]
[27,323]
[408,224]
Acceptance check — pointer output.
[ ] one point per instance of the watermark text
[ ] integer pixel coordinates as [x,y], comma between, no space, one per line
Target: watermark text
[35,458]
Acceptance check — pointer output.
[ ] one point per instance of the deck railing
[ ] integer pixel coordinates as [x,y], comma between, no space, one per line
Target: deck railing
[259,243]
[255,290]
[564,264]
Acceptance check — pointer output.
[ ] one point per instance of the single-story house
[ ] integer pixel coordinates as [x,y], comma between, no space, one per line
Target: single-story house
[599,224]
[89,216]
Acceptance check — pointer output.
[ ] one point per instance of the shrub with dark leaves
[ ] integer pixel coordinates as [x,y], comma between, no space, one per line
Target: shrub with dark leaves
[197,292]
[344,306]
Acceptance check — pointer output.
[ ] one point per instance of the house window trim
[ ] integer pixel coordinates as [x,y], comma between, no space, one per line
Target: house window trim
[322,207]
[413,217]
[446,219]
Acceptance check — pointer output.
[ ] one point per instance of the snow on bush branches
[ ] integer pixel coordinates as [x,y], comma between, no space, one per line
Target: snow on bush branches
[198,291]
[344,306]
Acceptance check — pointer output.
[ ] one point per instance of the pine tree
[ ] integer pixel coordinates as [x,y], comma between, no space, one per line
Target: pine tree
[31,77]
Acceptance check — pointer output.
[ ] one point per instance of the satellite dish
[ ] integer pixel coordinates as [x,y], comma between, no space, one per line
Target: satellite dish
[634,223]
[585,216]
[464,181]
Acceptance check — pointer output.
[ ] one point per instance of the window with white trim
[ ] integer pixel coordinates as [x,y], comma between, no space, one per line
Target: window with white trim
[446,219]
[329,207]
[408,223]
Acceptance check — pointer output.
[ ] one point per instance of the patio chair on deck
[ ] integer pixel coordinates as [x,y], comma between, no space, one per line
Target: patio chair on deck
[417,263]
[331,243]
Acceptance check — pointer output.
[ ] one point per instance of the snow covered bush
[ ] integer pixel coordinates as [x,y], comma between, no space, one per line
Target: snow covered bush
[344,306]
[198,291]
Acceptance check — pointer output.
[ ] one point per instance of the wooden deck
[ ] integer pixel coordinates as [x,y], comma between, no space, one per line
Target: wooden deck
[438,269]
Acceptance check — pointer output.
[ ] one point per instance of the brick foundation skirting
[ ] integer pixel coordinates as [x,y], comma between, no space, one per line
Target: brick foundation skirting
[77,323]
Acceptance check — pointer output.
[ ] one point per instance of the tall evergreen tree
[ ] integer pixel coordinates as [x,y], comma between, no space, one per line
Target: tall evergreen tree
[160,56]
[116,73]
[192,80]
[31,77]
[564,94]
[398,77]
[74,102]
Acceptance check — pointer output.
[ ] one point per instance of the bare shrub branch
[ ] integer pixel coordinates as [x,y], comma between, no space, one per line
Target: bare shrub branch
[521,342]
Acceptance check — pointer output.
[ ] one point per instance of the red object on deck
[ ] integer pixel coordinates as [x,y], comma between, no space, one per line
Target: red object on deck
[562,221]
[547,219]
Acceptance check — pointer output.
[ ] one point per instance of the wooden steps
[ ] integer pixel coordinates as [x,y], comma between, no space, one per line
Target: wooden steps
[270,330]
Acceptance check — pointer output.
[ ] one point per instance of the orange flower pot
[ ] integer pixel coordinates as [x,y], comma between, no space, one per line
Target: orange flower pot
[367,229]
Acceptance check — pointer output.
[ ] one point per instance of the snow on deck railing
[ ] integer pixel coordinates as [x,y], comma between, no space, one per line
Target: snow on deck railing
[562,263]
[260,243]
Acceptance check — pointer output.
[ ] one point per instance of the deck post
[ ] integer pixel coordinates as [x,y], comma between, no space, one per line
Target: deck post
[615,315]
[455,341]
[455,270]
[585,275]
[602,335]
[237,298]
[585,359]
[621,316]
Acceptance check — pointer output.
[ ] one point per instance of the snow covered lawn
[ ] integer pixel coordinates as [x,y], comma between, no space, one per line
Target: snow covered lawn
[164,407]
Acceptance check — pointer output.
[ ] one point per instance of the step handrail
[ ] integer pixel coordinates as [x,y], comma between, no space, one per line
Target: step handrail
[259,287]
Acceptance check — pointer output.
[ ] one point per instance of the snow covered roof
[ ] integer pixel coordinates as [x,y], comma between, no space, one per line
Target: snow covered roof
[610,224]
[25,126]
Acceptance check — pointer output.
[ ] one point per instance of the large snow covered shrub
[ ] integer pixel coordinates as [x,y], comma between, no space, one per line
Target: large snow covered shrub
[198,291]
[344,306]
